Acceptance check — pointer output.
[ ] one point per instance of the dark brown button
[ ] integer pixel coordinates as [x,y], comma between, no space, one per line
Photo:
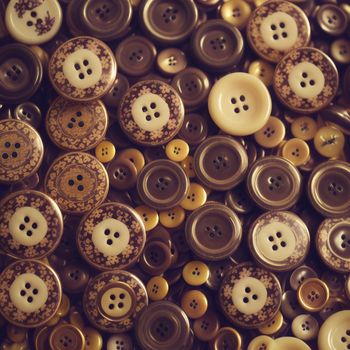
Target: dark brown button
[171,61]
[74,278]
[67,337]
[213,231]
[122,173]
[29,113]
[194,130]
[290,307]
[156,257]
[300,274]
[164,326]
[136,56]
[238,200]
[332,19]
[120,342]
[168,21]
[274,183]
[225,336]
[206,327]
[21,73]
[338,115]
[217,269]
[220,162]
[217,45]
[329,188]
[117,91]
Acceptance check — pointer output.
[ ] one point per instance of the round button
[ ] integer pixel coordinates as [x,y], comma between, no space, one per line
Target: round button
[171,61]
[82,69]
[16,334]
[135,156]
[74,278]
[195,273]
[275,28]
[105,151]
[31,293]
[111,236]
[156,257]
[271,134]
[329,141]
[290,307]
[332,19]
[340,51]
[157,288]
[206,327]
[151,113]
[236,12]
[172,217]
[196,196]
[76,126]
[187,166]
[226,335]
[296,151]
[177,150]
[262,70]
[77,181]
[149,216]
[249,296]
[29,113]
[238,200]
[313,294]
[113,97]
[305,327]
[21,151]
[213,231]
[194,129]
[67,337]
[239,104]
[122,174]
[194,303]
[304,128]
[93,339]
[120,342]
[337,116]
[306,80]
[273,326]
[291,343]
[261,342]
[300,274]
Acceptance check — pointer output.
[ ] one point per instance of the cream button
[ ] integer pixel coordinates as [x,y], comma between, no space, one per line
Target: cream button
[116,302]
[262,342]
[305,327]
[290,343]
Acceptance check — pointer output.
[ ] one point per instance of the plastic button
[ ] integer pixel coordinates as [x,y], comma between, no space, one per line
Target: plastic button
[105,151]
[332,19]
[122,174]
[149,216]
[194,303]
[172,217]
[195,273]
[340,51]
[262,70]
[313,294]
[93,339]
[305,327]
[226,335]
[291,343]
[195,197]
[236,12]
[272,326]
[194,129]
[157,288]
[113,97]
[29,113]
[296,151]
[271,134]
[135,156]
[329,141]
[155,258]
[206,327]
[300,274]
[68,337]
[261,342]
[187,166]
[117,341]
[304,128]
[74,278]
[177,150]
[171,61]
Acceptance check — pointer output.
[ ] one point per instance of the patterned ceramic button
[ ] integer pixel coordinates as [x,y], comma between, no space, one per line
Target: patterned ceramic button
[157,288]
[151,113]
[262,70]
[82,69]
[304,128]
[306,80]
[329,141]
[171,61]
[305,327]
[313,294]
[67,337]
[29,113]
[76,126]
[113,300]
[21,151]
[120,342]
[332,19]
[271,134]
[122,174]
[30,293]
[300,274]
[111,236]
[296,151]
[276,27]
[249,296]
[105,151]
[206,327]
[236,12]
[33,22]
[194,303]
[340,51]
[77,182]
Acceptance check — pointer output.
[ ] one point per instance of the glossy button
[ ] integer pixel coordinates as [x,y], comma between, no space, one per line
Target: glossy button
[155,258]
[329,141]
[120,342]
[93,339]
[195,197]
[194,303]
[82,69]
[313,294]
[194,129]
[149,216]
[332,19]
[271,134]
[262,70]
[157,288]
[304,128]
[296,151]
[187,166]
[68,337]
[114,95]
[290,307]
[206,327]
[16,334]
[340,51]
[177,150]
[135,156]
[195,273]
[105,151]
[300,274]
[236,12]
[305,327]
[291,343]
[122,174]
[74,278]
[225,336]
[172,217]
[29,113]
[171,61]
[261,342]
[272,326]
[238,200]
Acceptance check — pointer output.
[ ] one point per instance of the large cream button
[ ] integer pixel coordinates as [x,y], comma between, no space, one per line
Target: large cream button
[290,343]
[116,302]
[305,327]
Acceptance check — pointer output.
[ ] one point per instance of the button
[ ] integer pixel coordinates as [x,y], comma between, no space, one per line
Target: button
[304,128]
[236,12]
[196,196]
[187,166]
[337,116]
[213,231]
[291,343]
[76,181]
[113,97]
[21,151]
[225,336]
[135,156]
[120,342]
[238,200]
[149,216]
[171,61]
[67,337]
[195,273]
[93,339]
[290,307]
[249,296]
[41,338]
[275,28]
[274,183]
[313,294]
[261,342]
[217,45]
[217,269]
[16,334]
[177,150]
[64,306]
[168,22]
[155,258]
[122,174]
[105,151]
[172,217]
[296,151]
[206,327]
[157,288]
[340,51]
[21,73]
[32,224]
[329,188]
[31,293]
[113,300]
[273,326]
[305,327]
[334,282]
[309,83]
[136,56]
[239,104]
[76,126]
[300,274]
[33,23]
[329,141]
[271,134]
[162,184]
[194,303]
[29,113]
[151,113]
[332,19]
[82,69]
[333,305]
[262,70]
[74,278]
[194,129]
[193,86]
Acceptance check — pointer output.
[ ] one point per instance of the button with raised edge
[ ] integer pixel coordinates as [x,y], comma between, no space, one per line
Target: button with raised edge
[305,327]
[261,342]
[226,335]
[67,337]
[332,19]
[122,174]
[273,326]
[313,294]
[300,274]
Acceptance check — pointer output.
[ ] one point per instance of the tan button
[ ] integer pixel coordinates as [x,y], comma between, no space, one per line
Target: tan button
[105,151]
[177,150]
[262,70]
[261,342]
[313,294]
[149,216]
[195,273]
[272,326]
[271,134]
[67,337]
[157,288]
[173,217]
[194,303]
[187,166]
[64,306]
[297,151]
[340,51]
[171,61]
[196,196]
[290,343]
[236,12]
[135,156]
[304,128]
[206,327]
[305,327]
[329,141]
[225,336]
[16,334]
[93,339]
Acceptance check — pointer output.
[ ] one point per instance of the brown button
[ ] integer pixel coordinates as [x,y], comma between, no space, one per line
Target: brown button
[329,188]
[337,115]
[220,162]
[122,174]
[332,19]
[135,156]
[290,307]
[300,274]
[155,258]
[74,278]
[217,45]
[29,113]
[171,61]
[313,294]
[151,113]
[334,282]
[225,336]
[238,200]
[21,151]
[67,337]
[250,296]
[76,126]
[340,51]
[217,269]
[168,22]
[333,305]
[41,338]
[206,327]
[120,342]
[32,224]
[82,69]
[194,129]
[114,95]
[213,231]
[77,181]
[274,183]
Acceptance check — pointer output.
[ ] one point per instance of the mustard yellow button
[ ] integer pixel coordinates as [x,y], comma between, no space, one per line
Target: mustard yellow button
[271,134]
[16,334]
[196,196]
[273,326]
[187,166]
[177,150]
[236,12]
[172,217]
[149,216]
[194,303]
[304,128]
[329,141]
[93,339]
[195,273]
[297,151]
[262,70]
[105,151]
[63,309]
[157,288]
[135,156]
[261,342]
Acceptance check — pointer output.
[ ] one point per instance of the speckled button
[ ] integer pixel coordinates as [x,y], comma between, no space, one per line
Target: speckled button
[77,181]
[276,27]
[313,294]
[76,126]
[33,22]
[21,151]
[332,19]
[31,293]
[249,296]
[82,69]
[171,61]
[111,236]
[329,188]
[151,113]
[67,337]
[306,80]
[113,300]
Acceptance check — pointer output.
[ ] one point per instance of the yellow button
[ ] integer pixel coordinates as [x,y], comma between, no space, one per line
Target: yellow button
[135,156]
[177,150]
[196,196]
[63,309]
[149,216]
[261,342]
[329,141]
[273,326]
[272,133]
[187,166]
[16,334]
[236,12]
[340,51]
[173,217]
[75,318]
[105,151]
[93,339]
[194,303]
[195,273]
[157,288]
[297,151]
[304,128]
[290,343]
[313,294]
[262,70]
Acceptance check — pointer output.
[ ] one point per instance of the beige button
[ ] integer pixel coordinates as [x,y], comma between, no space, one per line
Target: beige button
[194,303]
[93,339]
[304,128]
[173,217]
[261,342]
[236,12]
[196,196]
[195,273]
[271,134]
[340,51]
[272,326]
[157,288]
[313,294]
[305,327]
[329,141]
[149,216]
[290,343]
[171,61]
[262,70]
[187,166]
[297,151]
[135,156]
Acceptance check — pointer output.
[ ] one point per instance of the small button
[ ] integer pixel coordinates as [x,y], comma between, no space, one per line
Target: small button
[225,336]
[74,278]
[76,126]
[187,166]
[67,337]
[177,150]
[194,130]
[155,258]
[122,174]
[135,156]
[262,70]
[171,61]
[157,288]
[75,318]
[334,282]
[337,116]
[217,269]
[304,128]
[332,19]
[196,196]
[93,339]
[82,69]
[16,334]
[305,327]
[77,181]
[290,307]
[149,216]
[340,51]
[271,134]
[313,294]
[261,342]
[194,303]
[105,151]
[291,343]
[29,113]
[120,342]
[329,141]
[236,12]
[273,326]
[238,200]
[113,97]
[206,327]
[296,151]
[173,217]
[300,274]
[151,113]
[195,273]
